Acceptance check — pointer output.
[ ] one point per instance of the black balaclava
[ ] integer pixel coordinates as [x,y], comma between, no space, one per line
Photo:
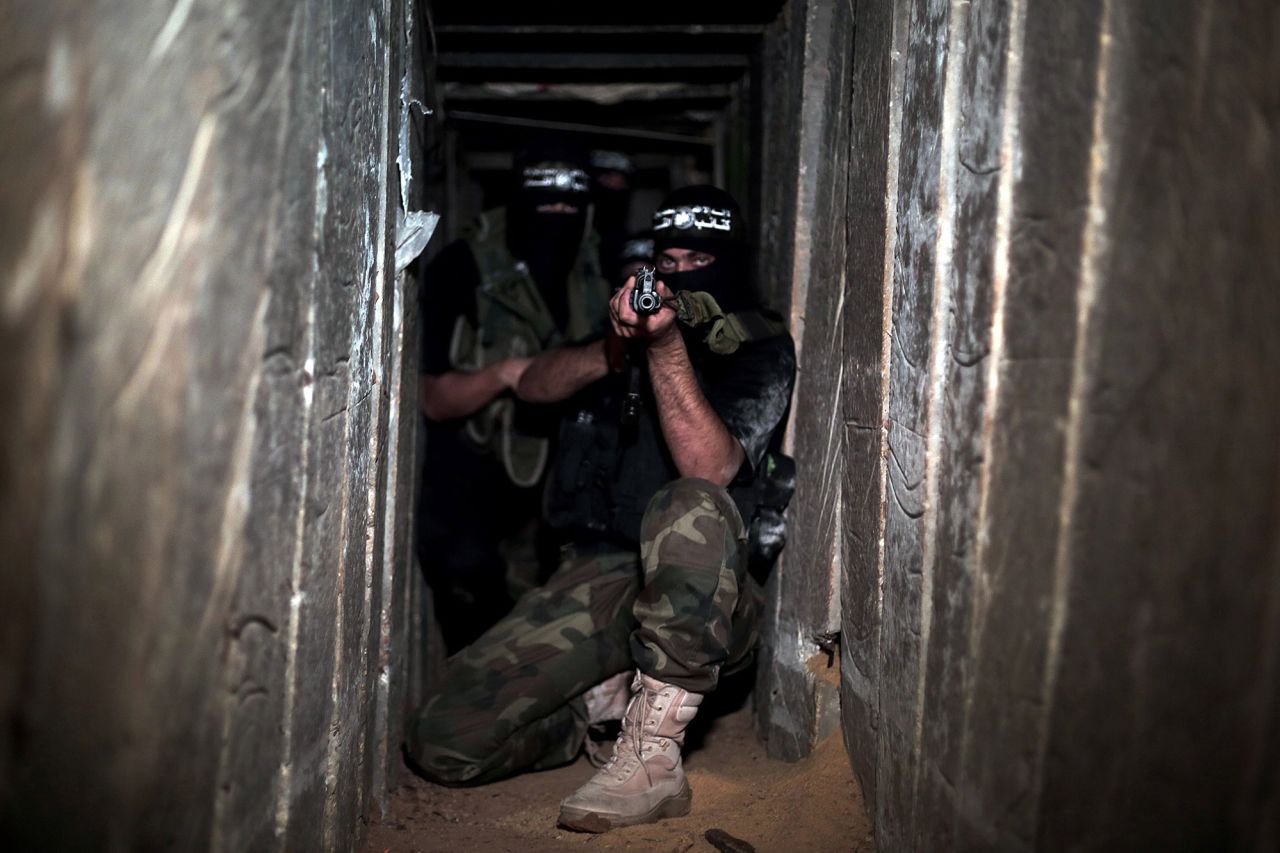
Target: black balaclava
[549,171]
[611,190]
[706,219]
[611,173]
[637,247]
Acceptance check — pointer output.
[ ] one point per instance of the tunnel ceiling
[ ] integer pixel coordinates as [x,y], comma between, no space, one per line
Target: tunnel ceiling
[663,72]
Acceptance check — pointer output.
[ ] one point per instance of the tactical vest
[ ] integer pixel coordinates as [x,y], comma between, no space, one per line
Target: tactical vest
[512,320]
[594,495]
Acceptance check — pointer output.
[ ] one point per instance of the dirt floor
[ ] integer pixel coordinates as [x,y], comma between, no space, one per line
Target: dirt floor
[812,806]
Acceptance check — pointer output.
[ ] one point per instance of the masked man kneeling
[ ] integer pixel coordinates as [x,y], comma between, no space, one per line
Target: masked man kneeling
[651,498]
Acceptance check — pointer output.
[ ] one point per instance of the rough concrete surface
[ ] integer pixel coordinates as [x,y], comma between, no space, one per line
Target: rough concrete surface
[1061,569]
[204,555]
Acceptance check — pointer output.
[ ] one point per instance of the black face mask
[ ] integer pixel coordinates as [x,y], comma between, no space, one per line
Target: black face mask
[549,244]
[706,219]
[551,240]
[725,279]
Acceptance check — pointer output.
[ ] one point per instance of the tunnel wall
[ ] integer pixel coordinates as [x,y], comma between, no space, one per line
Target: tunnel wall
[805,125]
[1058,549]
[208,460]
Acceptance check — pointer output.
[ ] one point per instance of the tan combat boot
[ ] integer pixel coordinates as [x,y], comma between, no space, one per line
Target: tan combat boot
[644,780]
[606,706]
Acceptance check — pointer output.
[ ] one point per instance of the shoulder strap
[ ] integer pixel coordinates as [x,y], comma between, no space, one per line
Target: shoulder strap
[505,280]
[728,331]
[589,292]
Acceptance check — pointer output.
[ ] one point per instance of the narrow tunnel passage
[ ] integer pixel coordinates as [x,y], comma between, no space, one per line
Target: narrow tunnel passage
[1030,597]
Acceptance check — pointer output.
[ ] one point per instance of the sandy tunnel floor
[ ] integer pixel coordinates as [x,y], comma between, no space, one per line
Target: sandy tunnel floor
[813,805]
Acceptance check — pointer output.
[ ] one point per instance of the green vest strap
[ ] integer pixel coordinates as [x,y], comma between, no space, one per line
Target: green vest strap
[512,319]
[508,283]
[728,331]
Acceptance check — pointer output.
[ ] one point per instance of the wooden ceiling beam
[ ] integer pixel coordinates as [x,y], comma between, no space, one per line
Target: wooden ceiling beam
[601,94]
[591,61]
[637,30]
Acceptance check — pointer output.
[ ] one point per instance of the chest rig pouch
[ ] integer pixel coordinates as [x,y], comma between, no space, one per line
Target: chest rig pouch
[606,472]
[513,321]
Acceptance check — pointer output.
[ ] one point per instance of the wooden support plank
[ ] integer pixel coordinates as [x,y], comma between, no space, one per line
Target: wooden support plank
[339,630]
[397,645]
[573,13]
[640,29]
[806,585]
[319,596]
[499,62]
[876,103]
[908,407]
[780,76]
[394,651]
[1035,329]
[384,361]
[973,167]
[265,550]
[605,94]
[355,262]
[622,134]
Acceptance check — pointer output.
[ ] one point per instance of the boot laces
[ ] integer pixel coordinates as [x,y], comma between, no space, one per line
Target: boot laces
[633,731]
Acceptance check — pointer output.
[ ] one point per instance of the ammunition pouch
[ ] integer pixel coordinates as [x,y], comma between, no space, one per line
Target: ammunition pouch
[580,485]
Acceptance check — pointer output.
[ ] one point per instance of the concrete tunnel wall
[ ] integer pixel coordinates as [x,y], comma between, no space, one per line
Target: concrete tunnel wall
[1027,251]
[207,468]
[1032,257]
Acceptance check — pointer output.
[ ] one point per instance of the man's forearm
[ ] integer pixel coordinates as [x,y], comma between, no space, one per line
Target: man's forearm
[457,394]
[700,444]
[558,374]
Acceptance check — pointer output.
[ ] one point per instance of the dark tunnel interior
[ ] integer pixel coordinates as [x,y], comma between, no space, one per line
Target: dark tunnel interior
[1024,252]
[674,88]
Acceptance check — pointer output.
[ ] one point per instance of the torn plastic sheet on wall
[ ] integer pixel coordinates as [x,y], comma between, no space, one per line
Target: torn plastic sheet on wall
[413,232]
[413,227]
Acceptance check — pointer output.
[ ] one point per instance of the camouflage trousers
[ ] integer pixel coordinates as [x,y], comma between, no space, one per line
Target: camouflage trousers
[682,612]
